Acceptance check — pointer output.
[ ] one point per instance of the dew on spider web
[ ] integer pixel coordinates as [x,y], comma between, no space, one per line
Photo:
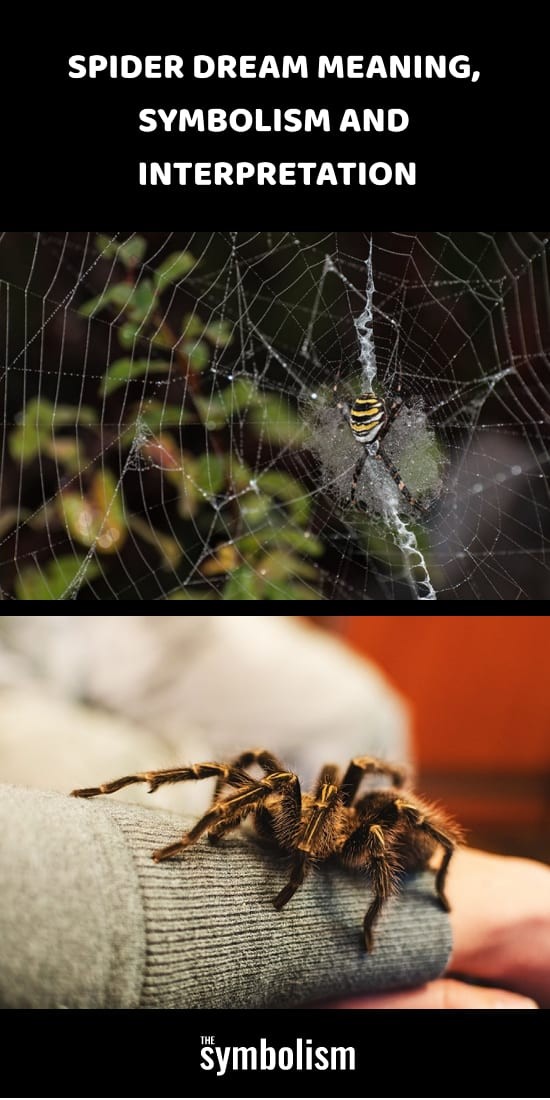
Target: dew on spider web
[246,448]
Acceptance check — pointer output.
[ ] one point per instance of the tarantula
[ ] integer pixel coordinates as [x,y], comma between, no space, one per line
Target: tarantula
[384,832]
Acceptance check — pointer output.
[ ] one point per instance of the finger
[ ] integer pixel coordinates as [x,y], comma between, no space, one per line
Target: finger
[446,993]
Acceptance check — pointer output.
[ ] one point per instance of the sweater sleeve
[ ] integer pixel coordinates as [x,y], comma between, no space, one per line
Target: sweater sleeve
[88,920]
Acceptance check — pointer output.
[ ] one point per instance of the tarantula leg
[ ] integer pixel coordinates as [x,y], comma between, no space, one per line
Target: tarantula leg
[330,773]
[188,838]
[370,918]
[166,775]
[225,827]
[368,765]
[300,867]
[264,759]
[447,839]
[382,875]
[248,799]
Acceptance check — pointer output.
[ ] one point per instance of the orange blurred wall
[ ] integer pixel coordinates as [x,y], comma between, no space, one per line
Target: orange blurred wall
[480,686]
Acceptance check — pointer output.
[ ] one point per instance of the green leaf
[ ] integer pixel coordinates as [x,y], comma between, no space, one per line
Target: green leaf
[240,473]
[130,253]
[127,334]
[67,453]
[302,541]
[212,411]
[276,421]
[65,416]
[36,424]
[123,370]
[210,473]
[173,268]
[203,478]
[168,549]
[192,326]
[243,584]
[280,485]
[224,559]
[158,417]
[24,441]
[216,411]
[10,517]
[97,518]
[197,354]
[242,393]
[117,295]
[141,303]
[51,581]
[254,508]
[219,333]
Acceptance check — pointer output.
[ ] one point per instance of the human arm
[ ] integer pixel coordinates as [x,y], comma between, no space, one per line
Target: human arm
[87,919]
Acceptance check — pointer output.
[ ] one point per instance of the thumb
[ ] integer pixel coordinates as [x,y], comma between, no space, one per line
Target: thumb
[445,993]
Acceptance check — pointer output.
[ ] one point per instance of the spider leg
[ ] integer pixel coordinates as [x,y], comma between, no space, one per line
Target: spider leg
[368,765]
[248,799]
[265,760]
[300,867]
[395,408]
[330,773]
[446,836]
[309,839]
[369,847]
[155,779]
[359,466]
[382,873]
[396,476]
[223,827]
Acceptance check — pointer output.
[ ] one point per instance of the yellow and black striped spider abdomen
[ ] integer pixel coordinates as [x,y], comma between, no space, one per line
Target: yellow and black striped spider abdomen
[367,417]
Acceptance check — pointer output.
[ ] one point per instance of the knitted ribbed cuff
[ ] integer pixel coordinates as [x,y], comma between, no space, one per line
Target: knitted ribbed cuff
[88,920]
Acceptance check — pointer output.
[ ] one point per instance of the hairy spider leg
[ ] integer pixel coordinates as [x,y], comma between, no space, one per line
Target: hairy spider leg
[368,765]
[423,819]
[383,875]
[324,803]
[298,871]
[265,760]
[330,773]
[369,848]
[233,776]
[249,799]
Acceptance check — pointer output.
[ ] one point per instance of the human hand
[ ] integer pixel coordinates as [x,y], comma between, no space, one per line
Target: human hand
[500,916]
[445,993]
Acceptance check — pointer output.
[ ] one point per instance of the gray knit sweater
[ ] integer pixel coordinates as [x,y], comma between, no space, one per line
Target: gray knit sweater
[88,920]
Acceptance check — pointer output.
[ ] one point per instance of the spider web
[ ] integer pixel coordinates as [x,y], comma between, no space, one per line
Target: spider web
[179,437]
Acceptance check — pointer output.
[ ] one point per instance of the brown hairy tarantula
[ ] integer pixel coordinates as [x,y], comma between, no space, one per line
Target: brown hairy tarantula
[384,832]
